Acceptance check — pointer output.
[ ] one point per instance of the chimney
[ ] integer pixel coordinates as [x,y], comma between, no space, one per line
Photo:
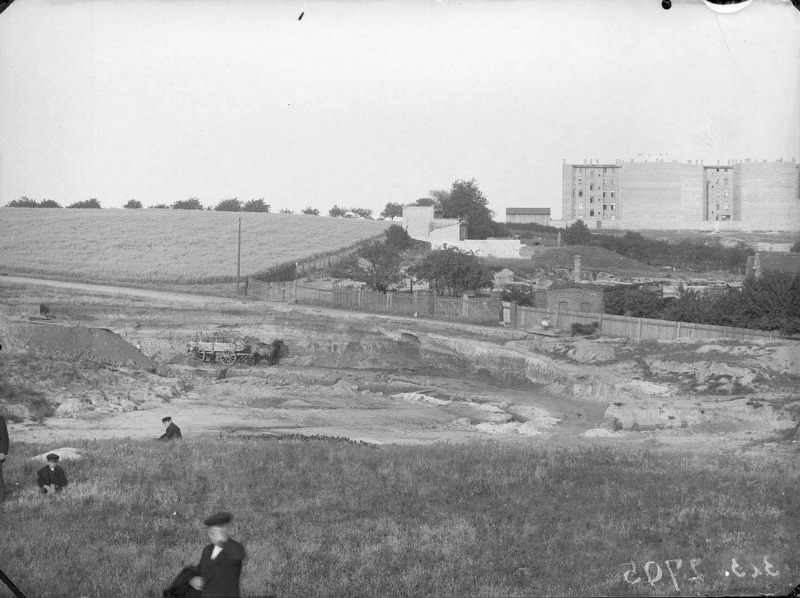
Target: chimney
[577,272]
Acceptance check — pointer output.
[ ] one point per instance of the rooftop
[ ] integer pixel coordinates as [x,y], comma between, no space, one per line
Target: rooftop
[527,211]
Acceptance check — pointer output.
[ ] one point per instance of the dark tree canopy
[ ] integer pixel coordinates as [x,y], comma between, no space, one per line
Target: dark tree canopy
[425,201]
[187,204]
[89,203]
[229,205]
[133,204]
[310,211]
[337,212]
[577,233]
[256,205]
[376,263]
[286,211]
[392,210]
[26,202]
[452,272]
[466,200]
[362,213]
[397,237]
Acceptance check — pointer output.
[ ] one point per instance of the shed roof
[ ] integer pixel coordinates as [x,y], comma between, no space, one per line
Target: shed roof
[528,211]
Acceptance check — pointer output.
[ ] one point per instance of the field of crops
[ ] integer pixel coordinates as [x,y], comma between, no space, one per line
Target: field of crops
[170,246]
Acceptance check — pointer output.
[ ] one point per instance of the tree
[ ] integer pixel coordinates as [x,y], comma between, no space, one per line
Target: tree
[89,203]
[796,247]
[772,301]
[362,213]
[256,205]
[23,202]
[439,195]
[635,302]
[425,201]
[229,205]
[337,212]
[577,233]
[133,204]
[309,211]
[466,200]
[397,238]
[159,206]
[187,204]
[49,203]
[375,263]
[451,271]
[286,211]
[392,210]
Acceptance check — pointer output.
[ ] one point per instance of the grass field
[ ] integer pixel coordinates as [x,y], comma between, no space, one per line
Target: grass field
[332,518]
[169,246]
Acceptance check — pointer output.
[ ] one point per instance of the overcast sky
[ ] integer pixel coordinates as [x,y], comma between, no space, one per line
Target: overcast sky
[365,102]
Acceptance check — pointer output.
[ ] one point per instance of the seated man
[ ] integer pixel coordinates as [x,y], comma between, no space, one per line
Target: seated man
[51,478]
[173,432]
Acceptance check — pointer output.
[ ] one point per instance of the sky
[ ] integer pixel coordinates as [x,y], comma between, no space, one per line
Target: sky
[360,103]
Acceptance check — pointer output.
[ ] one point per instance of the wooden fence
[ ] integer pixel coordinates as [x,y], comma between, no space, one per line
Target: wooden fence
[419,303]
[623,326]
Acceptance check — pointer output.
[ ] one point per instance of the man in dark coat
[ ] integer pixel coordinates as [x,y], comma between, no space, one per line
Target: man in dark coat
[173,432]
[221,563]
[3,453]
[51,477]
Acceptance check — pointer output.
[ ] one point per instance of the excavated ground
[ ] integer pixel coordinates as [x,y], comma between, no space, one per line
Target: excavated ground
[384,379]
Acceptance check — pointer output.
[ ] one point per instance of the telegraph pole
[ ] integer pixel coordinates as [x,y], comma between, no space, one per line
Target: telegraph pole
[239,258]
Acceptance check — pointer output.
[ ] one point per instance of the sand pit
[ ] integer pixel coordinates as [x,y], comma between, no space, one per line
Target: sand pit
[70,342]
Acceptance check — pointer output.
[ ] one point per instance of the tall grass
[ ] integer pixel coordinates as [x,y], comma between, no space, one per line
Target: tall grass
[179,246]
[325,518]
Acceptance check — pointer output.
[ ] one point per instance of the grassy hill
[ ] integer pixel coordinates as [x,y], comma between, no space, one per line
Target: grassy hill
[337,519]
[165,246]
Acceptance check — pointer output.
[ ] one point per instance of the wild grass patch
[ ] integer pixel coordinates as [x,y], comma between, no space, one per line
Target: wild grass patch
[335,518]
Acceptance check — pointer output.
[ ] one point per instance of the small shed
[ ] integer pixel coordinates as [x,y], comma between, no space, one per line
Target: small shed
[573,297]
[528,216]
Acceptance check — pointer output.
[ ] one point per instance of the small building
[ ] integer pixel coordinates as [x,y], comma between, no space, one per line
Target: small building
[424,224]
[772,260]
[528,216]
[573,297]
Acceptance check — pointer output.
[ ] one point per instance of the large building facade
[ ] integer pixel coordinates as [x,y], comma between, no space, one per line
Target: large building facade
[739,195]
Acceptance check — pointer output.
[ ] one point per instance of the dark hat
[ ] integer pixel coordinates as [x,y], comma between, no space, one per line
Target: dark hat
[166,419]
[53,457]
[221,518]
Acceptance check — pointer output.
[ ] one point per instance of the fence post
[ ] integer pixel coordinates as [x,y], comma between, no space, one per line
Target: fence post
[639,331]
[246,285]
[555,321]
[360,290]
[294,289]
[600,330]
[679,330]
[513,314]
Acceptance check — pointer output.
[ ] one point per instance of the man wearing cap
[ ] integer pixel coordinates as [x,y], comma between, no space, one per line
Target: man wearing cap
[221,563]
[173,432]
[51,477]
[3,453]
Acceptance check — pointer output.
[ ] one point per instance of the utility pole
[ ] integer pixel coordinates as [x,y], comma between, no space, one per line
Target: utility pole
[239,258]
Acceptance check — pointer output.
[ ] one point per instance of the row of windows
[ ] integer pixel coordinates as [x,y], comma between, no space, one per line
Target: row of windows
[610,206]
[605,181]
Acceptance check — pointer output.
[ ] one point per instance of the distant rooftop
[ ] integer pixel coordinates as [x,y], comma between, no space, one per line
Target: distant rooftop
[527,211]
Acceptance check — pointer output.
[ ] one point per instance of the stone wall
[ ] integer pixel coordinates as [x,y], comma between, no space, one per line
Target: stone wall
[508,248]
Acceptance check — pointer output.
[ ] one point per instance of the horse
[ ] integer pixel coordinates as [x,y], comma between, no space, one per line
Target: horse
[587,329]
[269,352]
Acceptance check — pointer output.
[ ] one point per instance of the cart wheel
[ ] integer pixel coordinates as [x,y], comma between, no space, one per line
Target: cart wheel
[200,354]
[227,357]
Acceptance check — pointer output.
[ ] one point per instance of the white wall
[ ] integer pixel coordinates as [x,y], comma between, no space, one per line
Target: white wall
[510,248]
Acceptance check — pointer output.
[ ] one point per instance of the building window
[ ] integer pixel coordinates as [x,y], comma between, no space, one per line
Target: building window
[726,181]
[613,217]
[580,205]
[612,194]
[591,173]
[605,181]
[580,193]
[604,193]
[580,180]
[612,207]
[725,206]
[605,206]
[726,193]
[591,212]
[718,206]
[717,181]
[591,199]
[591,186]
[613,180]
